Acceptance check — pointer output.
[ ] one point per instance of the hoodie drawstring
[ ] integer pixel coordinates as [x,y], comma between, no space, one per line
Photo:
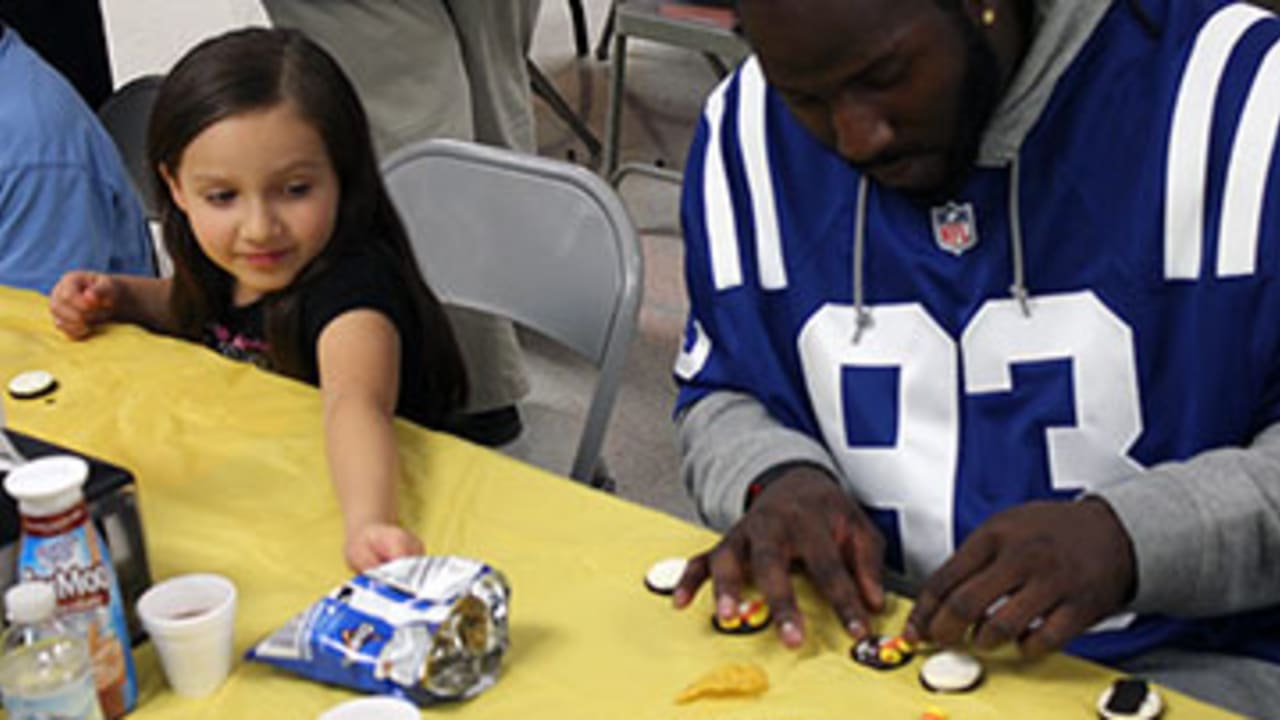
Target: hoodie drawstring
[1019,287]
[862,316]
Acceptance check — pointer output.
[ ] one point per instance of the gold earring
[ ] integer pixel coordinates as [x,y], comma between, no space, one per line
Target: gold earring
[988,16]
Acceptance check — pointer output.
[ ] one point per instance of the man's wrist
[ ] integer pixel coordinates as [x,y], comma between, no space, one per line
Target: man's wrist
[1126,561]
[776,473]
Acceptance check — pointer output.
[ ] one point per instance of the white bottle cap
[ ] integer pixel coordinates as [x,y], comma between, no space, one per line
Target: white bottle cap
[48,485]
[30,602]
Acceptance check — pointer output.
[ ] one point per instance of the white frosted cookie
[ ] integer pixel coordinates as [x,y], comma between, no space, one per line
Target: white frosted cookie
[31,384]
[949,671]
[664,575]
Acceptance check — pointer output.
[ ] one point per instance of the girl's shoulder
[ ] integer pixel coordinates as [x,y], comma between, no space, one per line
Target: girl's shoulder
[357,270]
[355,279]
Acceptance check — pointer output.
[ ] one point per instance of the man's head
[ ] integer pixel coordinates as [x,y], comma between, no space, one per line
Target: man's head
[901,88]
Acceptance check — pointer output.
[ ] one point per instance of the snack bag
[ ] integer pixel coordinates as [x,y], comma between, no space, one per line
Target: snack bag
[428,629]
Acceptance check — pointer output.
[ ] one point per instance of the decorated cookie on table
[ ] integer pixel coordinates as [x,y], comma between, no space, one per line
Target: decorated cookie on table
[752,616]
[883,653]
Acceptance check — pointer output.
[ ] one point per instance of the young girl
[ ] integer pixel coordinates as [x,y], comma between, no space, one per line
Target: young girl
[287,253]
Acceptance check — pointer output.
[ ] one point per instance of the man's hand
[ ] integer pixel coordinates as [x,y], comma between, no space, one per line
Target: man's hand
[801,518]
[1038,574]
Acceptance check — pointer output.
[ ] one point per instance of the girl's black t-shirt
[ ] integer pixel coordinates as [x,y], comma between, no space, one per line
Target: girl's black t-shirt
[355,281]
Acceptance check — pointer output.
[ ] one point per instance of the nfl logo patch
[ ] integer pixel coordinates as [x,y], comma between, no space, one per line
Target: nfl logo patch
[955,227]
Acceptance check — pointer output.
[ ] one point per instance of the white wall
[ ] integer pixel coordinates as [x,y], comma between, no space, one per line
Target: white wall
[148,36]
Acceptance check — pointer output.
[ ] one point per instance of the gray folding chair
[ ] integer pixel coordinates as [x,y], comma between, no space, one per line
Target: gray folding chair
[126,115]
[648,20]
[542,242]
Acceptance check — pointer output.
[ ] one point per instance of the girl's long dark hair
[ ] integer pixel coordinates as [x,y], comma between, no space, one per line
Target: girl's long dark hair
[255,69]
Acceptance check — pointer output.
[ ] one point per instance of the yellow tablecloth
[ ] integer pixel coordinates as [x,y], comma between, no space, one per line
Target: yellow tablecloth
[231,479]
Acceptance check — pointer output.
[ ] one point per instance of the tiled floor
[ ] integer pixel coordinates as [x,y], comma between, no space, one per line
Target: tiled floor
[664,90]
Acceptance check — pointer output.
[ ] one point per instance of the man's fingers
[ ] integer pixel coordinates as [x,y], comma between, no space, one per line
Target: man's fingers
[833,574]
[728,575]
[1057,628]
[863,551]
[696,572]
[771,571]
[1014,617]
[973,556]
[979,599]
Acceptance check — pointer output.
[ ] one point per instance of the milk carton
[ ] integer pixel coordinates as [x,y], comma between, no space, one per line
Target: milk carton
[60,545]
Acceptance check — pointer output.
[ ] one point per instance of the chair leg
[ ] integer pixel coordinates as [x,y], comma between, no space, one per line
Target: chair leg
[580,41]
[602,479]
[602,47]
[543,88]
[717,65]
[613,126]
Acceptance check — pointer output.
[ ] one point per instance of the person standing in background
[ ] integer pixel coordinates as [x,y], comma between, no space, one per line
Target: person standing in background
[69,35]
[65,198]
[442,69]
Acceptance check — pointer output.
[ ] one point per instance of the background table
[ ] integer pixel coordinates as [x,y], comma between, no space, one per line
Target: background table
[231,479]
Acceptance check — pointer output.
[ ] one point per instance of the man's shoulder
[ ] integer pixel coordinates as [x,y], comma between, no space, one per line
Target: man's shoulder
[753,166]
[42,119]
[745,112]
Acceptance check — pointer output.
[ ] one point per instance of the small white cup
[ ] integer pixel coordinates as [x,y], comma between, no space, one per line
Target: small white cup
[377,707]
[190,619]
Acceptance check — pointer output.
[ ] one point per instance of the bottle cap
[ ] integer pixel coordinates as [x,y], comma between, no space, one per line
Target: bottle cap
[48,485]
[30,602]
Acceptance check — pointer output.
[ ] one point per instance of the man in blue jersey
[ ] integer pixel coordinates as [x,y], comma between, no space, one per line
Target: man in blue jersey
[65,198]
[984,298]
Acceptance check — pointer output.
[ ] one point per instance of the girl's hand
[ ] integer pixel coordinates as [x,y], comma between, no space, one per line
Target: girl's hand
[82,300]
[376,543]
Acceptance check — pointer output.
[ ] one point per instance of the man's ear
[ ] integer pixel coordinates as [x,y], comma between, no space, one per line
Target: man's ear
[174,187]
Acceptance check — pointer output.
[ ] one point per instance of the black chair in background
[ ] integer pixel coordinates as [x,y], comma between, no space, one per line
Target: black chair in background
[125,114]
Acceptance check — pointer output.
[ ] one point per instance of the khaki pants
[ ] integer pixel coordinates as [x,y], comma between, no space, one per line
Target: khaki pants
[430,68]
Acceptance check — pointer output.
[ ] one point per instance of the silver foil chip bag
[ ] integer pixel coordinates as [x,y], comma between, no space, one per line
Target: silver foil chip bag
[426,628]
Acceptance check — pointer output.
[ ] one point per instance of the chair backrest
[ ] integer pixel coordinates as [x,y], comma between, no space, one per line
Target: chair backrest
[542,242]
[126,115]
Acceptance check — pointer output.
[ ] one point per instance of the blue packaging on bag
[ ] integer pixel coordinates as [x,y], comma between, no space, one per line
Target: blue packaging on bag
[427,628]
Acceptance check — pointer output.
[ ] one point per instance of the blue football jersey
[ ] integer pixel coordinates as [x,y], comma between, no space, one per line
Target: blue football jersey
[1148,195]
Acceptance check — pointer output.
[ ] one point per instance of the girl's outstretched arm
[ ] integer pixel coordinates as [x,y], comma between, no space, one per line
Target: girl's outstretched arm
[83,299]
[359,359]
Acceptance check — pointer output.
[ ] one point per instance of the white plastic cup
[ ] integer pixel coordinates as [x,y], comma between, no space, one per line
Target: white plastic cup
[377,707]
[190,619]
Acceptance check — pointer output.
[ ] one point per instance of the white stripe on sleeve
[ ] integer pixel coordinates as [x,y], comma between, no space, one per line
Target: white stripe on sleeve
[690,362]
[1187,169]
[755,157]
[722,233]
[1246,188]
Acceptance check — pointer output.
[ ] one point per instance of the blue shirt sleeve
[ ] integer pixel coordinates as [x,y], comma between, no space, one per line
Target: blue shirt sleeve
[56,218]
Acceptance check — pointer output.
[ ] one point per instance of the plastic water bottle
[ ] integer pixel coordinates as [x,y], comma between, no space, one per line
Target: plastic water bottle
[44,669]
[60,545]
